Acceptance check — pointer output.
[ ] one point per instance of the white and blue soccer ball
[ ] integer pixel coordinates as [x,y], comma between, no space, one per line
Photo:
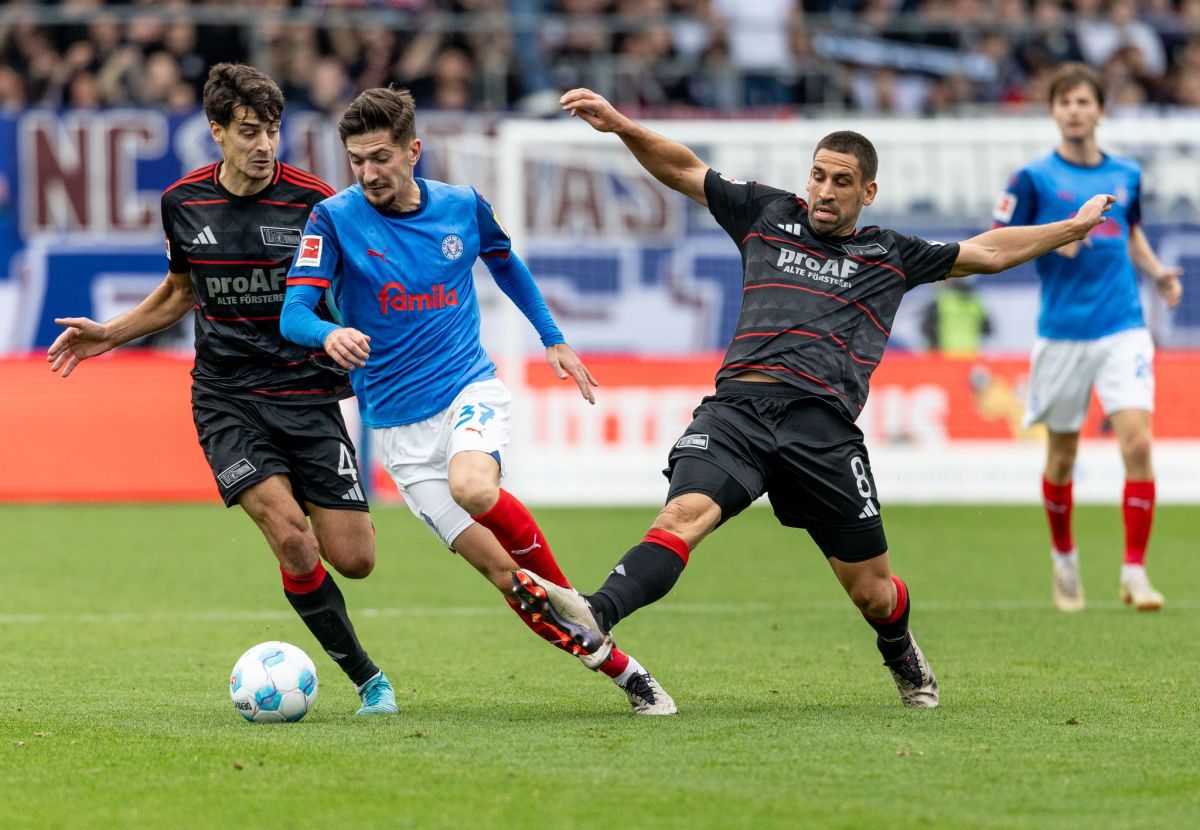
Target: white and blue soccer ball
[273,683]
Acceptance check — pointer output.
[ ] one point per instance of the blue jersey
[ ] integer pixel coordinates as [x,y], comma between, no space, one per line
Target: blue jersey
[1095,292]
[404,279]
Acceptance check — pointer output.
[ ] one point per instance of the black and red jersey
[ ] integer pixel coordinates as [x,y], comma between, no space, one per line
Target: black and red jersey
[816,310]
[238,250]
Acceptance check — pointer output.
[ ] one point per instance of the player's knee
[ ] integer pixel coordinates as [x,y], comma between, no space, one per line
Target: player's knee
[351,552]
[354,564]
[296,548]
[687,520]
[872,597]
[474,493]
[1136,451]
[1060,466]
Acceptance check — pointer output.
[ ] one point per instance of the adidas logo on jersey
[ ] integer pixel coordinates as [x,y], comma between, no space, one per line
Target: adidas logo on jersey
[869,511]
[205,237]
[789,227]
[355,493]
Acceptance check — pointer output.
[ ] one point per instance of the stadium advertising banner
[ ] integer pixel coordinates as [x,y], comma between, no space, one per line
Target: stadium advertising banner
[644,284]
[938,429]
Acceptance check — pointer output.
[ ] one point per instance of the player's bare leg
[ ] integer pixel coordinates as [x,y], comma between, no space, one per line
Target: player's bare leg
[311,590]
[346,539]
[882,598]
[1132,427]
[1058,501]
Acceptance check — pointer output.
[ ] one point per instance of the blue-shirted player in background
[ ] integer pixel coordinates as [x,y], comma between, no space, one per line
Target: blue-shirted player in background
[394,254]
[1091,331]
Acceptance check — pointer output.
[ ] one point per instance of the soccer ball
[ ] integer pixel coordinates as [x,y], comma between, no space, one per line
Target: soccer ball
[273,683]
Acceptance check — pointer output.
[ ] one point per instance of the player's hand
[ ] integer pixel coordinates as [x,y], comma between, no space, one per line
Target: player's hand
[1092,214]
[349,347]
[1169,286]
[592,108]
[82,339]
[566,364]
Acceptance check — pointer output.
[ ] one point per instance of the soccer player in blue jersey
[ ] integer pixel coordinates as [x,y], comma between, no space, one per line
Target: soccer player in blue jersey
[394,254]
[1091,332]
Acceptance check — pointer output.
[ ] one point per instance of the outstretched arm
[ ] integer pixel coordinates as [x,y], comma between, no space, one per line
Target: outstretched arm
[670,162]
[1166,280]
[1002,248]
[84,338]
[516,281]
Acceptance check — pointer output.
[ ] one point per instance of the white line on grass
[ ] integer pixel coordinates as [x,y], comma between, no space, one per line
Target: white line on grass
[685,608]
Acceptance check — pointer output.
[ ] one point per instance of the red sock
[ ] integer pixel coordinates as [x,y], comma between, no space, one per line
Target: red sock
[1058,501]
[1138,509]
[304,583]
[513,525]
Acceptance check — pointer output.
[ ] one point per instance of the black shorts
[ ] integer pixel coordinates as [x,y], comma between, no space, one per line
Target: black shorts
[247,441]
[809,458]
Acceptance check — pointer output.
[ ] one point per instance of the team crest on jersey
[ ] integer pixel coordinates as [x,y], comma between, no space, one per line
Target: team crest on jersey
[874,249]
[283,237]
[452,246]
[310,251]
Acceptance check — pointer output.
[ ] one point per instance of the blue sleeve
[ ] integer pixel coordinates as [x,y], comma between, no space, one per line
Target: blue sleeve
[1017,205]
[1134,214]
[516,281]
[298,321]
[493,239]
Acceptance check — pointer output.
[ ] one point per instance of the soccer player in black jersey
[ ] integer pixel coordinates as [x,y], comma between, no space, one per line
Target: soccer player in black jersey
[266,410]
[818,302]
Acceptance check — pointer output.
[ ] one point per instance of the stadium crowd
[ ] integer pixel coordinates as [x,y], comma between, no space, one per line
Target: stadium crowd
[907,57]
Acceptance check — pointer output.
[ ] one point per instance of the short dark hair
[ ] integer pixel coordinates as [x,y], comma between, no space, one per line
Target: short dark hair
[1070,75]
[381,108]
[854,144]
[233,85]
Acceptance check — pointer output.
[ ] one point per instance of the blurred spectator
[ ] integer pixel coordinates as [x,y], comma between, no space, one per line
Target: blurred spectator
[448,84]
[894,56]
[956,322]
[1102,35]
[12,89]
[759,47]
[1050,41]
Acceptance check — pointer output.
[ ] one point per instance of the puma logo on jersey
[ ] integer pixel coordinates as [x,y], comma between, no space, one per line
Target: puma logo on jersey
[473,429]
[205,237]
[373,252]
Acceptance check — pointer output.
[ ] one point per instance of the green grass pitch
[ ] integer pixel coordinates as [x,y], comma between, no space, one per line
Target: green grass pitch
[118,627]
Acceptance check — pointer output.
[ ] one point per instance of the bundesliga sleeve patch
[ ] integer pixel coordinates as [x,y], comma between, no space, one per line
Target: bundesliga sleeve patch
[310,251]
[1005,205]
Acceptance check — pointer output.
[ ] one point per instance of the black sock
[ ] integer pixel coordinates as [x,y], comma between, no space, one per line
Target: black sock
[324,612]
[644,575]
[892,633]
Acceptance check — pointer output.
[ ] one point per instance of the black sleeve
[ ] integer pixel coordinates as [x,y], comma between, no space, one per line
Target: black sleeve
[736,205]
[177,262]
[925,261]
